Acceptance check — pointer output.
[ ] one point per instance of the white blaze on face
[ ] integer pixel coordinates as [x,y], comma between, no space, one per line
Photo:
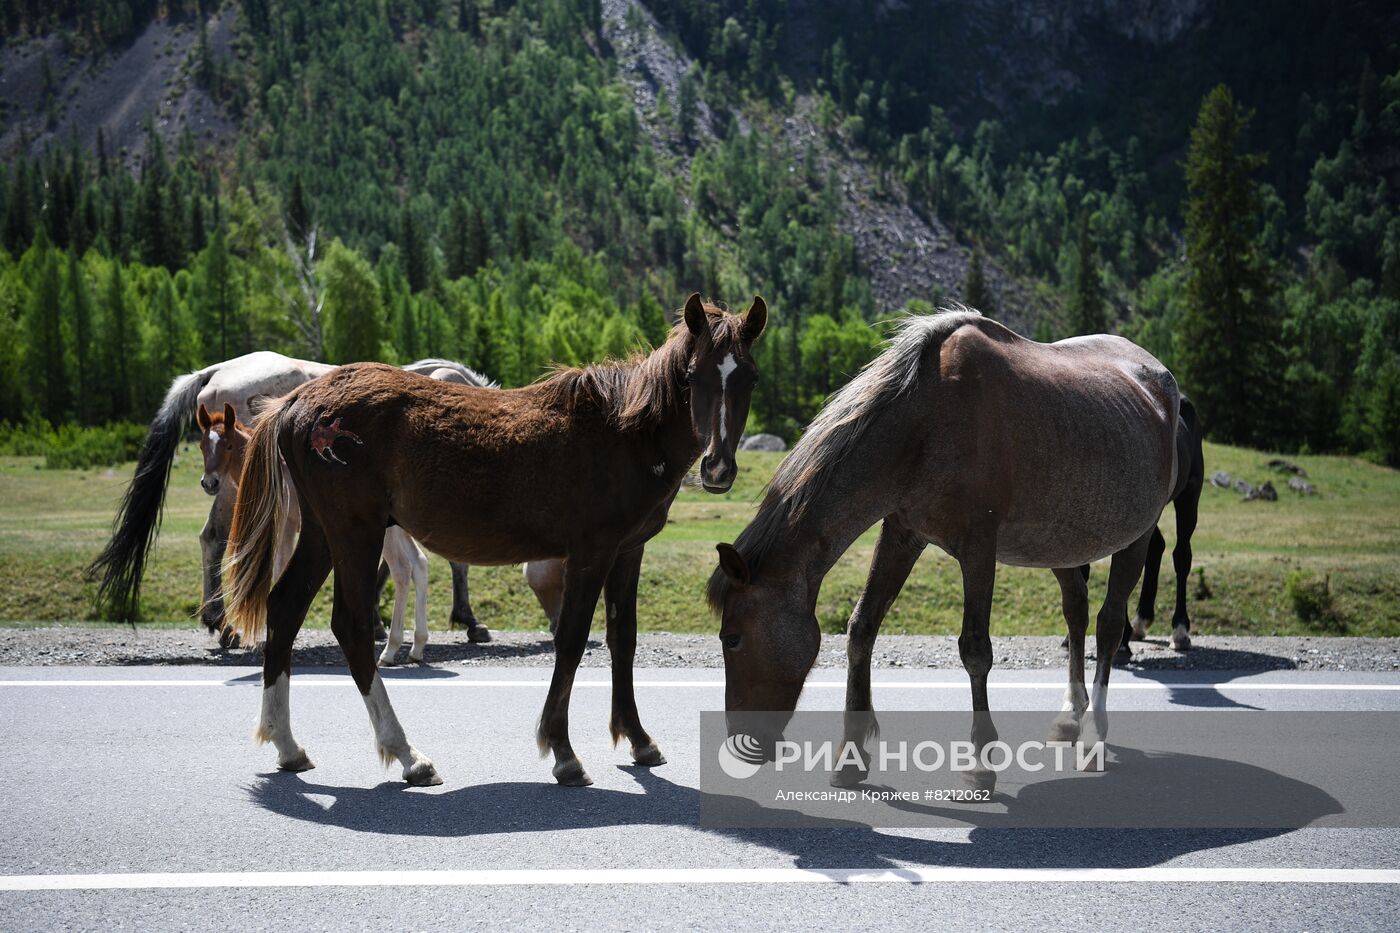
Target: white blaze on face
[213,450]
[725,368]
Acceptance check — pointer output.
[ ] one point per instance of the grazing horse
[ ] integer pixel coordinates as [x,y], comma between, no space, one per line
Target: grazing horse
[238,382]
[996,449]
[581,466]
[223,440]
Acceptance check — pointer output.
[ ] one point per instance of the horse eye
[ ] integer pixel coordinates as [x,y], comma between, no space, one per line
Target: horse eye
[731,642]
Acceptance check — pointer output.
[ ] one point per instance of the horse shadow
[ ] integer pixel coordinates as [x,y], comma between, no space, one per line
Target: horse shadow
[995,840]
[1205,664]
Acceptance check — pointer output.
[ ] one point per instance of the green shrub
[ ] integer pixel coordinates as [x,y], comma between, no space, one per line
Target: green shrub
[1311,599]
[70,447]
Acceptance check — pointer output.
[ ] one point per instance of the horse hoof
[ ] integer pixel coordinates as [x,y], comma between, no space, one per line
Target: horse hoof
[422,774]
[1139,629]
[571,774]
[1064,730]
[298,762]
[650,756]
[849,776]
[478,634]
[1181,639]
[981,779]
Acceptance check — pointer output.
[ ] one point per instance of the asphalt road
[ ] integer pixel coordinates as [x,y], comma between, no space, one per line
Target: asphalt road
[135,796]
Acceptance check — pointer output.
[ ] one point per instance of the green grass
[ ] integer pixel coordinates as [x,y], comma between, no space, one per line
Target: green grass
[52,522]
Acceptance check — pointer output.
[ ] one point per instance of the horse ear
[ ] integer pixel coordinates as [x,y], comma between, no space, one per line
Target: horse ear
[755,319]
[202,418]
[733,565]
[230,416]
[695,317]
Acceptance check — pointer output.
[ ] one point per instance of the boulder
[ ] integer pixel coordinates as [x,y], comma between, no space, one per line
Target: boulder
[771,443]
[1286,466]
[1220,479]
[1301,487]
[1266,493]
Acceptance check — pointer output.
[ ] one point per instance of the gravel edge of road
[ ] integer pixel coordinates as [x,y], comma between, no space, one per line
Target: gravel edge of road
[124,646]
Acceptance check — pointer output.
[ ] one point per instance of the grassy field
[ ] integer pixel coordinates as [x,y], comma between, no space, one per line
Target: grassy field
[52,522]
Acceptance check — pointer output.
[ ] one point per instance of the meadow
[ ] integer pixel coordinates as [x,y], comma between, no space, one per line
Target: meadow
[1345,539]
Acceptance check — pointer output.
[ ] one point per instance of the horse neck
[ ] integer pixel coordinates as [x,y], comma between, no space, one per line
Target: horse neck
[852,500]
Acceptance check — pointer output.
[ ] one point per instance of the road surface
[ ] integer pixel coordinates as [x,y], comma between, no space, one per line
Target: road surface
[135,796]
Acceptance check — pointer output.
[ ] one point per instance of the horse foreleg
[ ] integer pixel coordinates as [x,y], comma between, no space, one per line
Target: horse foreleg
[213,539]
[977,556]
[1147,599]
[584,575]
[1186,506]
[418,561]
[1123,575]
[397,561]
[895,555]
[462,614]
[620,595]
[1074,601]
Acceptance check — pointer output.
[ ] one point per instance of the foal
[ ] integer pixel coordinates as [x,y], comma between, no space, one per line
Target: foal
[223,441]
[964,435]
[581,466]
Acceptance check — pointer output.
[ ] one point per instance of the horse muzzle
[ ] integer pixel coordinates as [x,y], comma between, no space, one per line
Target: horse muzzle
[717,473]
[210,484]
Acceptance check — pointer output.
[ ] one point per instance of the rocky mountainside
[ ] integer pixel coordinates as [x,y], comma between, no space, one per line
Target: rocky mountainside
[906,254]
[51,96]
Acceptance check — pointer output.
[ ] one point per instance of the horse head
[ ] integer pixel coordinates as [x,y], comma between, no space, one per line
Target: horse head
[221,441]
[721,374]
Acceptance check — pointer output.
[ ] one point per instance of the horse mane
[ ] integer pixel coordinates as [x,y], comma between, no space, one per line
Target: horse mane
[835,433]
[640,389]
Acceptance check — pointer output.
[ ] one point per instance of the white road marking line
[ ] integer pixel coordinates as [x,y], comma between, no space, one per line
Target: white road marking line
[339,681]
[634,876]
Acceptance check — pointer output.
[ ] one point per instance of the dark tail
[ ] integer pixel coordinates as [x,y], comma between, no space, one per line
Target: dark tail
[123,560]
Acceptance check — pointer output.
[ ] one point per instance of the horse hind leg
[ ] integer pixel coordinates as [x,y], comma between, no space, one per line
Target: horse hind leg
[287,604]
[1074,599]
[352,622]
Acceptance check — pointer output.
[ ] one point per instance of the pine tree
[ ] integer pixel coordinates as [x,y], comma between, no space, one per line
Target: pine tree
[80,301]
[687,105]
[217,306]
[298,213]
[1087,314]
[1228,337]
[357,328]
[458,233]
[478,242]
[975,293]
[47,357]
[120,344]
[520,237]
[415,250]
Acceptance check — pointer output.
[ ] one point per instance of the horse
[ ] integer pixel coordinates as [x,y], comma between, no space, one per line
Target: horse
[239,381]
[223,440]
[996,449]
[580,466]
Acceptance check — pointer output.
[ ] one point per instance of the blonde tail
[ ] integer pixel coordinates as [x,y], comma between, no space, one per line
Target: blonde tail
[258,514]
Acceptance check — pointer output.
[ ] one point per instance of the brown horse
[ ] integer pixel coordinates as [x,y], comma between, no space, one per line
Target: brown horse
[967,436]
[581,466]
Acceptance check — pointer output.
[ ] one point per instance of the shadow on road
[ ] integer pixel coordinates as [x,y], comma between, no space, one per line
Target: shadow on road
[1205,665]
[535,807]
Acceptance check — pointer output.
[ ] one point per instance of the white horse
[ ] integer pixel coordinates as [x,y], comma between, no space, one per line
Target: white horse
[237,382]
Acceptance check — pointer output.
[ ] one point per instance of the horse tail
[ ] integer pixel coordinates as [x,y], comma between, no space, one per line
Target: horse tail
[134,530]
[258,514]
